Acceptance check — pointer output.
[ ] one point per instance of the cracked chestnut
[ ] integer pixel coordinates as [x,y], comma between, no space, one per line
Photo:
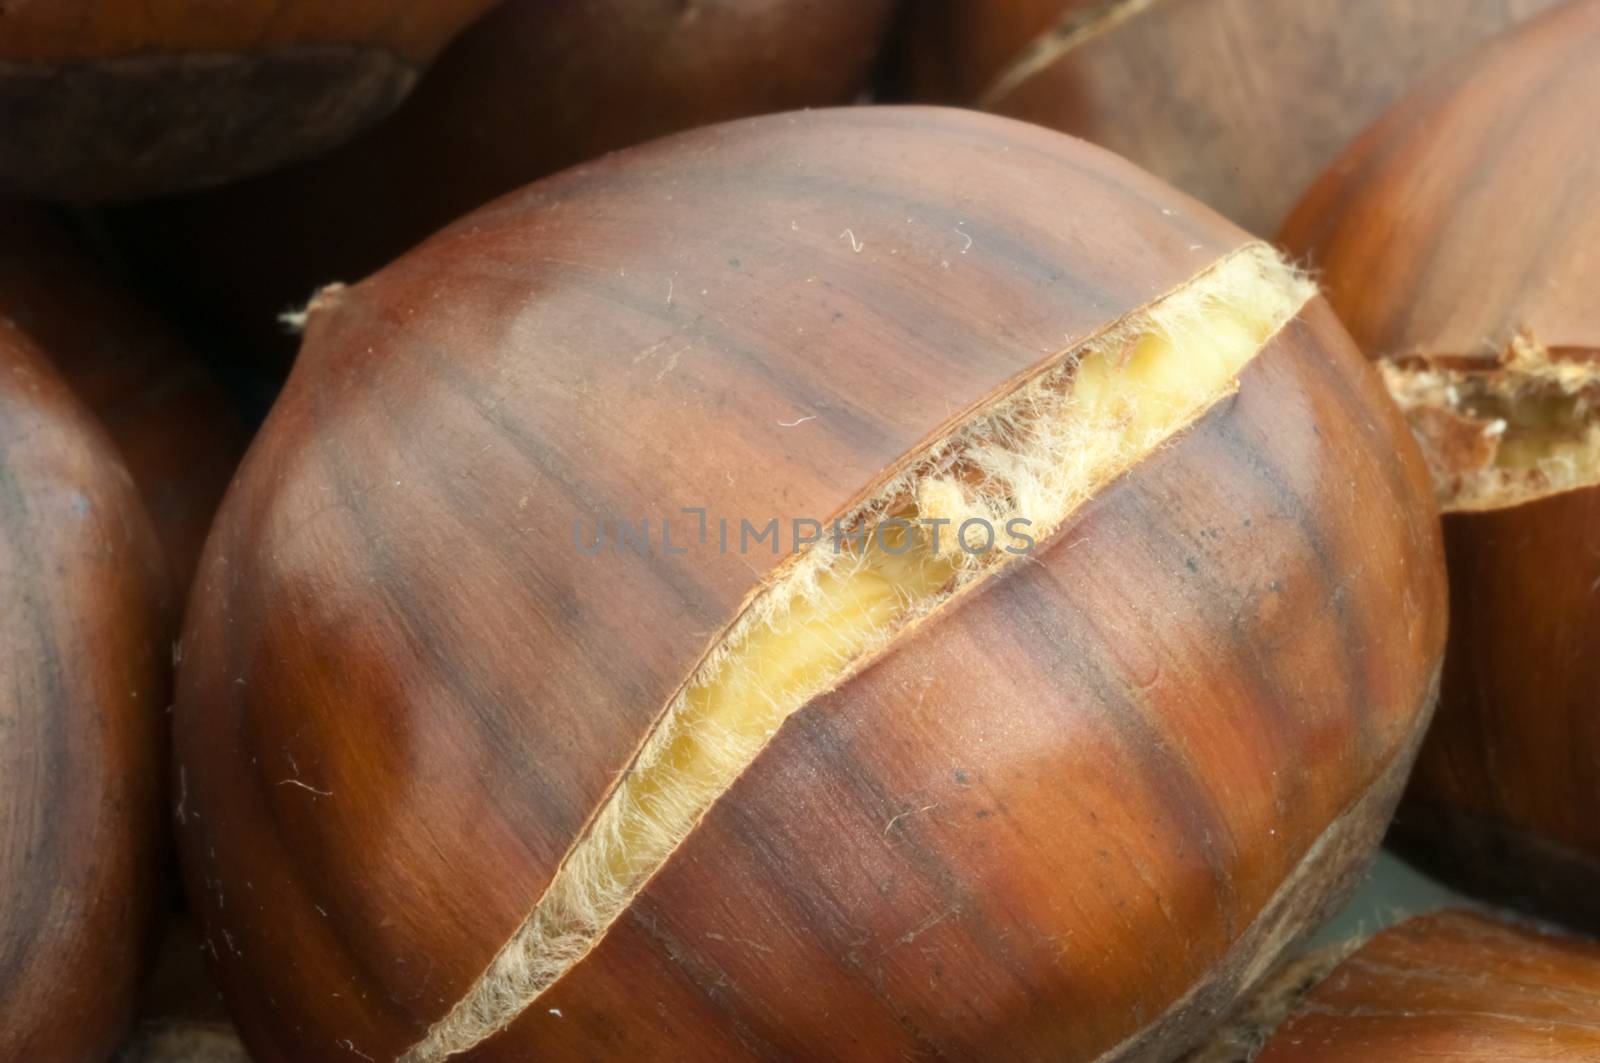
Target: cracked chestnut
[1457,240]
[484,749]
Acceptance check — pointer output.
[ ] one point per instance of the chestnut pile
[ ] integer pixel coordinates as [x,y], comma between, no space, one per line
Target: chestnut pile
[758,545]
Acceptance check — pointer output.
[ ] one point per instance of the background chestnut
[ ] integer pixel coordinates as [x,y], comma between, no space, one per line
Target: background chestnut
[1457,239]
[111,99]
[536,86]
[1240,103]
[1452,985]
[448,772]
[179,432]
[85,656]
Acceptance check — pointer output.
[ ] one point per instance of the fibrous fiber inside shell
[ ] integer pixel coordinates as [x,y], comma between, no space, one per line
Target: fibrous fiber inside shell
[1032,455]
[1499,433]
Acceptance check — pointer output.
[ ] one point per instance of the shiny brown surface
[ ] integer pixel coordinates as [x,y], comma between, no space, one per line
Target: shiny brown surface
[1467,215]
[1240,103]
[85,643]
[177,430]
[1456,987]
[1031,829]
[537,86]
[111,99]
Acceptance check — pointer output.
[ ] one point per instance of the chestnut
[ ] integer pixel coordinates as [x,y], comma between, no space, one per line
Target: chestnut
[577,668]
[85,676]
[1240,103]
[176,427]
[1452,985]
[115,99]
[535,87]
[1457,239]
